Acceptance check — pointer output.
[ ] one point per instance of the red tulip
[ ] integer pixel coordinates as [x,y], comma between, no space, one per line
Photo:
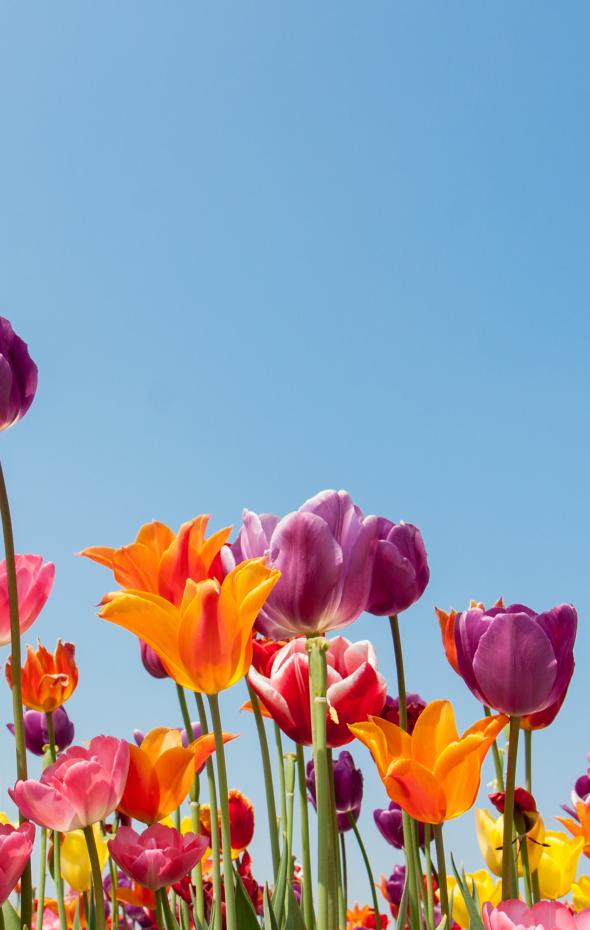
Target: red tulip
[157,857]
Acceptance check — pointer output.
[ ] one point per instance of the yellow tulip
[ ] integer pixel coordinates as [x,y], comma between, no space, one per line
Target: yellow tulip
[75,862]
[489,836]
[4,818]
[581,892]
[483,884]
[558,863]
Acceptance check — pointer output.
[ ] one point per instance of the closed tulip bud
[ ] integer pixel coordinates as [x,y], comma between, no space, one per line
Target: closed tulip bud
[348,789]
[36,735]
[400,567]
[18,376]
[241,821]
[389,822]
[151,661]
[415,706]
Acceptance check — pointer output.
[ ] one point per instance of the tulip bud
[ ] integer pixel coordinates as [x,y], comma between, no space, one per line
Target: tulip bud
[400,567]
[36,735]
[18,376]
[389,822]
[348,789]
[415,705]
[151,661]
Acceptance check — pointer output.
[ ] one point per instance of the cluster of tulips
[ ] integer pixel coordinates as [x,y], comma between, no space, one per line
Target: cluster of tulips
[209,612]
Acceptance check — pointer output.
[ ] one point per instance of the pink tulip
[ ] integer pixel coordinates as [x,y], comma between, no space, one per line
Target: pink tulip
[34,580]
[157,857]
[16,845]
[84,786]
[545,915]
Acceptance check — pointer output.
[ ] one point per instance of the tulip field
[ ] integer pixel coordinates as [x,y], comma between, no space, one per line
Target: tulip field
[145,832]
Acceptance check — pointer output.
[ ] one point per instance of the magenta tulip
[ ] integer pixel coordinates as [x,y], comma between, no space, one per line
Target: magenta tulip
[34,580]
[16,845]
[84,786]
[157,857]
[545,915]
[18,376]
[400,567]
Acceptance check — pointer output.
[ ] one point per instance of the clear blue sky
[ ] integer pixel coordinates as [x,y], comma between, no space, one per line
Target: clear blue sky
[262,249]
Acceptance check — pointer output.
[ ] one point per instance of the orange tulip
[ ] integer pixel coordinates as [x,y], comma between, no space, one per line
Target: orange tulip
[205,643]
[581,827]
[433,774]
[161,772]
[47,680]
[160,561]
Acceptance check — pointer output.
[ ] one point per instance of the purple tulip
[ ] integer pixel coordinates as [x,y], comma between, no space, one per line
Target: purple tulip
[400,568]
[393,887]
[18,376]
[580,793]
[514,660]
[325,554]
[151,661]
[414,707]
[348,789]
[36,735]
[389,822]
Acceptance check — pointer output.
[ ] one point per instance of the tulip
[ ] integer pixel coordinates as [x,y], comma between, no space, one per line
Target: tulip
[515,660]
[389,822]
[263,653]
[151,661]
[161,772]
[206,643]
[47,680]
[161,562]
[489,836]
[34,580]
[392,888]
[480,883]
[447,629]
[581,892]
[348,789]
[581,825]
[545,915]
[36,735]
[84,786]
[16,846]
[361,918]
[241,822]
[558,863]
[355,689]
[157,857]
[400,568]
[325,552]
[18,376]
[414,707]
[433,773]
[75,861]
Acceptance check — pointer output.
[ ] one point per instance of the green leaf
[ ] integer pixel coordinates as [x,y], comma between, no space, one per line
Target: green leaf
[295,919]
[470,897]
[245,913]
[402,918]
[270,922]
[278,892]
[11,918]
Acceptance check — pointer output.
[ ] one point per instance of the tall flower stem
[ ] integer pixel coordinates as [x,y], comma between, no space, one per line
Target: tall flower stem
[42,877]
[281,771]
[290,794]
[197,872]
[268,782]
[96,878]
[334,826]
[114,895]
[442,872]
[212,805]
[169,918]
[228,874]
[17,700]
[57,879]
[344,867]
[327,893]
[307,890]
[508,877]
[429,888]
[528,776]
[498,767]
[367,863]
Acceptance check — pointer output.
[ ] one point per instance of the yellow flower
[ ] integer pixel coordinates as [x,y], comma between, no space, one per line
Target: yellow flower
[489,836]
[581,892]
[4,818]
[483,884]
[558,863]
[75,862]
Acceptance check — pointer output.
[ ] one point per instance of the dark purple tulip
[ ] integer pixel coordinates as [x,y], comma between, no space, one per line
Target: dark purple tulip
[400,568]
[325,554]
[414,706]
[581,792]
[36,736]
[390,825]
[348,789]
[393,887]
[151,662]
[514,660]
[18,376]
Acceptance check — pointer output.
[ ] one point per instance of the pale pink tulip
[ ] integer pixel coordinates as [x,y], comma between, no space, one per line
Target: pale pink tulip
[545,915]
[16,844]
[34,580]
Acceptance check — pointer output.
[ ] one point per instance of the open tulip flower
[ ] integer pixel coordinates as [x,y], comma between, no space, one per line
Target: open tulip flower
[34,580]
[47,680]
[75,861]
[16,845]
[161,772]
[433,773]
[364,918]
[581,825]
[480,883]
[157,857]
[205,643]
[558,863]
[489,831]
[84,786]
[545,915]
[355,689]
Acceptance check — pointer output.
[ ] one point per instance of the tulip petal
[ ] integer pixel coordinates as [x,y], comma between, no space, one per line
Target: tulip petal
[434,729]
[416,790]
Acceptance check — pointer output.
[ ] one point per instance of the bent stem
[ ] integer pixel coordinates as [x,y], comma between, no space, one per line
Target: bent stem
[17,699]
[57,877]
[212,807]
[268,782]
[228,874]
[96,878]
[442,872]
[508,878]
[361,845]
[306,854]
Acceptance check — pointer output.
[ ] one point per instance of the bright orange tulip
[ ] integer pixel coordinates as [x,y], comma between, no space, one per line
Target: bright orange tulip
[581,827]
[47,680]
[161,772]
[205,643]
[433,774]
[160,561]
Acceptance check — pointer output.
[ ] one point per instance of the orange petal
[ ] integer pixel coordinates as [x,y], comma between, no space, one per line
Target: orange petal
[416,790]
[175,771]
[435,729]
[141,797]
[160,740]
[247,706]
[386,741]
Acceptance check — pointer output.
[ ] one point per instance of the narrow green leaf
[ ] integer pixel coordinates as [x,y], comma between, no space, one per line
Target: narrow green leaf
[270,922]
[11,918]
[295,919]
[245,913]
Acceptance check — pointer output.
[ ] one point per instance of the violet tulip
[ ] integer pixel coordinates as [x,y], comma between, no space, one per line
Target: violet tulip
[36,735]
[84,786]
[544,915]
[18,376]
[324,551]
[355,689]
[151,661]
[157,857]
[16,845]
[389,822]
[34,580]
[514,660]
[348,789]
[400,567]
[414,707]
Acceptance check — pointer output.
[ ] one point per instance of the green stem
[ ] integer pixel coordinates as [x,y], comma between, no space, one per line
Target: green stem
[307,890]
[508,878]
[268,783]
[528,775]
[429,888]
[197,872]
[361,845]
[290,792]
[170,919]
[186,717]
[212,804]
[96,878]
[1,919]
[499,768]
[57,877]
[281,770]
[114,895]
[158,909]
[228,874]
[42,878]
[442,873]
[524,856]
[334,822]
[344,865]
[17,699]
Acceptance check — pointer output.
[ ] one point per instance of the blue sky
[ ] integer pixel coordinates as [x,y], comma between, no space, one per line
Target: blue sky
[262,249]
